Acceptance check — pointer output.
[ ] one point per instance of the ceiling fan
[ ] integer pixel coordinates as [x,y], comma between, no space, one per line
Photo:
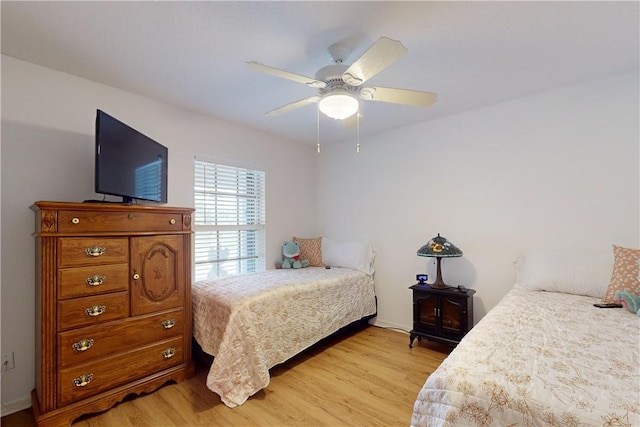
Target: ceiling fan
[340,85]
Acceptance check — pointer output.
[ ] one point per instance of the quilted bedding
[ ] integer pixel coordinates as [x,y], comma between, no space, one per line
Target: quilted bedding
[252,322]
[539,359]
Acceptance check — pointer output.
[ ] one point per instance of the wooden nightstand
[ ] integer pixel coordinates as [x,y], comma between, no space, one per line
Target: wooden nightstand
[442,315]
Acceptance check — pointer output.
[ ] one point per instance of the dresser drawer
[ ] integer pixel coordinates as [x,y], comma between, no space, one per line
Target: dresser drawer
[88,221]
[85,251]
[82,345]
[91,378]
[85,311]
[83,281]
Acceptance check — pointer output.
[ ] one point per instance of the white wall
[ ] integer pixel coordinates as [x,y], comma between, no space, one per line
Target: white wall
[48,121]
[558,170]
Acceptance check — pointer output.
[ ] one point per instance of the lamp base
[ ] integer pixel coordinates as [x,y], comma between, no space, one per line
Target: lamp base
[439,285]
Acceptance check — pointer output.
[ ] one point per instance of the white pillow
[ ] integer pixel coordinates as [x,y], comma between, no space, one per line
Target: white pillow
[356,255]
[580,273]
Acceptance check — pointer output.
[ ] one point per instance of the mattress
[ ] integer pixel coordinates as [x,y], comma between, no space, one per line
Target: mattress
[252,322]
[539,359]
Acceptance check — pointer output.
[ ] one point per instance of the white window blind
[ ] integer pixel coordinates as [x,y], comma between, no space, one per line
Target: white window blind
[229,220]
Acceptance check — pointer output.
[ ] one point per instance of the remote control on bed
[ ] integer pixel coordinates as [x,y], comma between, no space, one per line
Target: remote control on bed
[607,305]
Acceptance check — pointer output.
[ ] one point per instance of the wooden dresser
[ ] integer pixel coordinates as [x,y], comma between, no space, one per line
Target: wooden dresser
[113,304]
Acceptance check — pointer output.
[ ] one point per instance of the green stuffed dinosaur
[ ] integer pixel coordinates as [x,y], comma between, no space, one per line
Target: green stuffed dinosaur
[291,252]
[629,301]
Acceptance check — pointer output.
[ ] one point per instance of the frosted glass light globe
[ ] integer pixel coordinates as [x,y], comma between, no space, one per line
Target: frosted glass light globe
[338,105]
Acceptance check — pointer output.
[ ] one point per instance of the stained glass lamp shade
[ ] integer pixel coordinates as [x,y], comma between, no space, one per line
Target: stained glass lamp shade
[439,248]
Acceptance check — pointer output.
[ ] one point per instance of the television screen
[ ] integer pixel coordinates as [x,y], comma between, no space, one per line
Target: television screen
[128,163]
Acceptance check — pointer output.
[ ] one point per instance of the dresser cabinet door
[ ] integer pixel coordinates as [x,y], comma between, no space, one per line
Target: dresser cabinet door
[157,273]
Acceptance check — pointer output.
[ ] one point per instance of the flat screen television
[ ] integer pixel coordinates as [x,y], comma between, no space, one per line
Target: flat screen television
[128,163]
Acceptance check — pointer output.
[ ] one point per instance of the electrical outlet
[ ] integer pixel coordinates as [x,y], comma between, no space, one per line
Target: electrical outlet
[8,361]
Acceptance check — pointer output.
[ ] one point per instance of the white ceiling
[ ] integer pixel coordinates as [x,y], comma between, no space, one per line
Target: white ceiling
[193,54]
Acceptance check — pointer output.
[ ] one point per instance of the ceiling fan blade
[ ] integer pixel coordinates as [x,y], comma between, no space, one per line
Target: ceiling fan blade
[398,96]
[286,74]
[379,56]
[292,106]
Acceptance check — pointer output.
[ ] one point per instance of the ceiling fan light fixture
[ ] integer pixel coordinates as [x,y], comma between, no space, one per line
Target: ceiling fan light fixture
[338,106]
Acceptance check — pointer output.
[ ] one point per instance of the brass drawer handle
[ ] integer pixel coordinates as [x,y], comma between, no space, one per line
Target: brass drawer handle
[75,220]
[169,323]
[96,310]
[83,345]
[96,251]
[168,353]
[96,280]
[82,380]
[172,221]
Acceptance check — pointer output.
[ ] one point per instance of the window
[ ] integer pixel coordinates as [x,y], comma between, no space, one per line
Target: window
[229,220]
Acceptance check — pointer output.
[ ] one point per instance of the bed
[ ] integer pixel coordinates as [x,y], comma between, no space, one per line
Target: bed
[252,322]
[543,356]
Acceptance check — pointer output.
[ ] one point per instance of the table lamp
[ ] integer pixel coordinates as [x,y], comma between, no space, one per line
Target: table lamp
[439,248]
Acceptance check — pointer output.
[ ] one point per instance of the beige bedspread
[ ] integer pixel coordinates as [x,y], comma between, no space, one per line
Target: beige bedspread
[539,359]
[252,322]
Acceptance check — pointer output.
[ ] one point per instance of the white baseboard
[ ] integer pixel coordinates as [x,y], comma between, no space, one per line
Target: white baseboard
[15,406]
[389,325]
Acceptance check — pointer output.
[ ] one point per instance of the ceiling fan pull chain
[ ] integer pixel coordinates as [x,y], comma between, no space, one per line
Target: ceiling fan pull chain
[358,132]
[318,128]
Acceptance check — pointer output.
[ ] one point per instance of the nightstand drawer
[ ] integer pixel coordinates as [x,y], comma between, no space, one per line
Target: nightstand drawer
[99,279]
[76,312]
[83,345]
[85,251]
[88,379]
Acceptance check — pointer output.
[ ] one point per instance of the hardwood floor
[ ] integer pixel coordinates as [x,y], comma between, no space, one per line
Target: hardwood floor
[366,377]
